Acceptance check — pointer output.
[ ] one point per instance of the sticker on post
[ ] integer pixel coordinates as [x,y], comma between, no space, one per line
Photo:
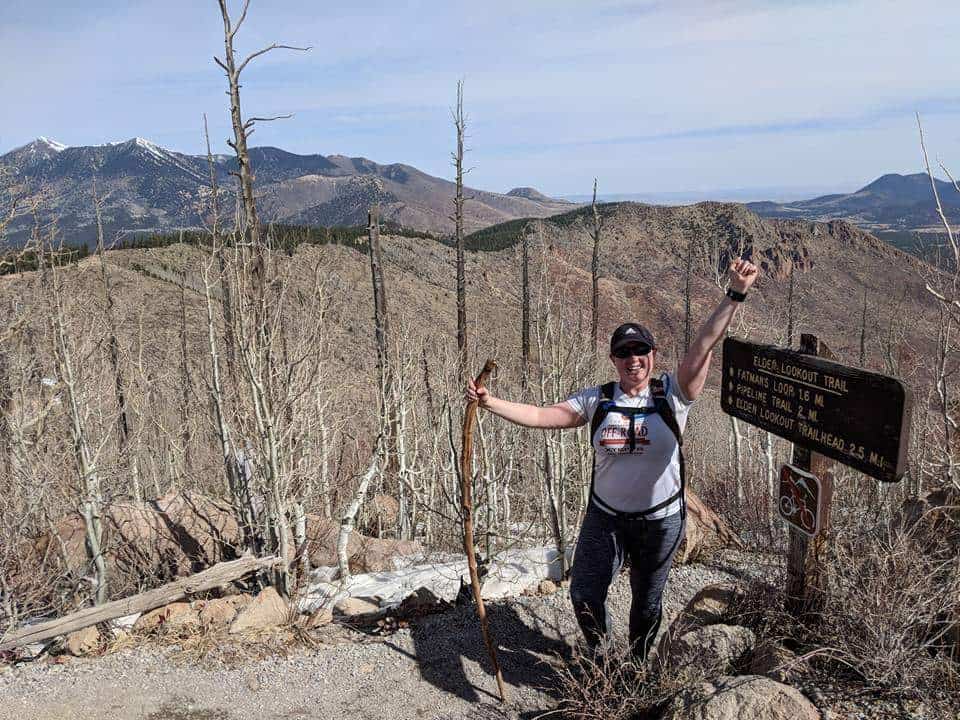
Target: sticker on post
[799,501]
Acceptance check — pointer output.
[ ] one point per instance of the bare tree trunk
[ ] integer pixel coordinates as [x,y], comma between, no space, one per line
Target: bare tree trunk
[525,307]
[226,287]
[6,407]
[737,458]
[380,319]
[863,331]
[771,478]
[113,345]
[92,499]
[687,299]
[350,513]
[790,305]
[460,122]
[943,393]
[595,273]
[185,436]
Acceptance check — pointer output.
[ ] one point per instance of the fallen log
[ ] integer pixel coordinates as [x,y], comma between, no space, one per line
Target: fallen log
[164,595]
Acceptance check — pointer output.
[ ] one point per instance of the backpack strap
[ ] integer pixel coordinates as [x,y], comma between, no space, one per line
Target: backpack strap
[658,390]
[603,407]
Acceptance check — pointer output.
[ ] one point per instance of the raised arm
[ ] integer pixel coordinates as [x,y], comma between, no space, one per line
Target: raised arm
[692,373]
[560,415]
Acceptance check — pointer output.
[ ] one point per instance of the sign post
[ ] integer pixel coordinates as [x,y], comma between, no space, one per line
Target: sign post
[829,411]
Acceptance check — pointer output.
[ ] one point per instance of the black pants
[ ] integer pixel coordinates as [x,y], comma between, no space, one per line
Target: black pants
[605,542]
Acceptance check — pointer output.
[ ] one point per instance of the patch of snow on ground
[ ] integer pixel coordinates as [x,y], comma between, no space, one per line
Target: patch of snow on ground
[509,574]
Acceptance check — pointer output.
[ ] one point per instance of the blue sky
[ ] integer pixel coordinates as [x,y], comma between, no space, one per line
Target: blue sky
[650,97]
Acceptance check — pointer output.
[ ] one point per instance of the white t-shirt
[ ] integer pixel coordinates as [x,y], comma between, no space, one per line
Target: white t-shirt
[635,479]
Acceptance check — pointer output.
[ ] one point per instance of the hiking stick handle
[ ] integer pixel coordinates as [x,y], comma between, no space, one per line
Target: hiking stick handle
[488,367]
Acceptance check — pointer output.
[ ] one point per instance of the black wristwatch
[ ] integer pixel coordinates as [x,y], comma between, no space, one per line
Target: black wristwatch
[736,296]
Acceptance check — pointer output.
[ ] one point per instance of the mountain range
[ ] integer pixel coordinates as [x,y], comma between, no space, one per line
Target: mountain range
[146,187]
[891,202]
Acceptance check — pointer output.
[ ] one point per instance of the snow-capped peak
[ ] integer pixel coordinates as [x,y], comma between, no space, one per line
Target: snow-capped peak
[151,148]
[41,145]
[52,144]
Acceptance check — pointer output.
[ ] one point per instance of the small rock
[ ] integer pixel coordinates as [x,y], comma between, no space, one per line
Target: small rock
[253,683]
[83,642]
[323,616]
[266,610]
[151,621]
[546,587]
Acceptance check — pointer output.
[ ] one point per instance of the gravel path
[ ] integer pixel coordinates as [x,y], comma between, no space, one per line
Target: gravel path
[436,668]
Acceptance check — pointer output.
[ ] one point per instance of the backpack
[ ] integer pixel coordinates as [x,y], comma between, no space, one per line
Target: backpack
[663,408]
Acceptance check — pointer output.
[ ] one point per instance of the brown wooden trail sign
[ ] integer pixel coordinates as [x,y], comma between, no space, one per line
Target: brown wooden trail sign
[857,417]
[828,410]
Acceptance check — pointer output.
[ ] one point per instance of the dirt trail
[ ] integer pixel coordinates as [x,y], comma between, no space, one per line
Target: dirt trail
[436,668]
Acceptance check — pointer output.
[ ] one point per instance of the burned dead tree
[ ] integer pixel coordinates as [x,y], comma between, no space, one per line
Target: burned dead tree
[242,129]
[525,303]
[460,123]
[260,303]
[113,349]
[595,272]
[380,319]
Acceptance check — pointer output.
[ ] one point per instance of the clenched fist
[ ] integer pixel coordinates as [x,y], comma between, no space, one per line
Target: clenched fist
[743,274]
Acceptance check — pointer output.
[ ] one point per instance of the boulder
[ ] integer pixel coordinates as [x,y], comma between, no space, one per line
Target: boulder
[747,697]
[178,614]
[365,554]
[266,610]
[356,607]
[83,642]
[714,649]
[705,530]
[218,612]
[382,512]
[180,534]
[712,604]
[173,536]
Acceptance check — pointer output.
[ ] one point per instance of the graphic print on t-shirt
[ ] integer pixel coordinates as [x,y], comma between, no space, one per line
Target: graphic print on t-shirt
[614,435]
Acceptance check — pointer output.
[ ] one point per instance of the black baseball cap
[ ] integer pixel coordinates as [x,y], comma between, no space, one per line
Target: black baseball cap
[630,334]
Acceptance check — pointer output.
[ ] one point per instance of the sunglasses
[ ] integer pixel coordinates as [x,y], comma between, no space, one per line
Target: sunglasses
[631,350]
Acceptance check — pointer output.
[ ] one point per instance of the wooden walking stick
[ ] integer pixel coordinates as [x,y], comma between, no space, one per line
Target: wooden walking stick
[466,477]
